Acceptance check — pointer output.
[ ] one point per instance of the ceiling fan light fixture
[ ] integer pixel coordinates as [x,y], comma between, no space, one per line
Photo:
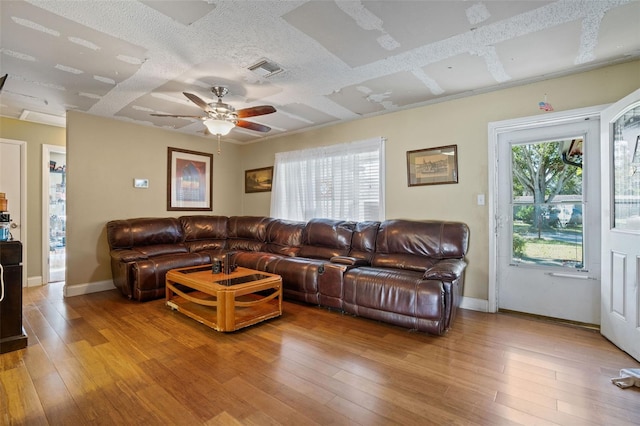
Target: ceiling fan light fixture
[218,127]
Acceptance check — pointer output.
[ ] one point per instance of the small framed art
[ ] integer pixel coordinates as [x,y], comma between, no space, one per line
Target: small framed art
[258,180]
[433,166]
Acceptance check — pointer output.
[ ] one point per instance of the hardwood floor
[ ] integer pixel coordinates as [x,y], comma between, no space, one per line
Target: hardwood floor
[101,359]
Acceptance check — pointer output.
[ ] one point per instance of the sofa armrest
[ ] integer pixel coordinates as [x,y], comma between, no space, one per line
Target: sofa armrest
[348,260]
[446,270]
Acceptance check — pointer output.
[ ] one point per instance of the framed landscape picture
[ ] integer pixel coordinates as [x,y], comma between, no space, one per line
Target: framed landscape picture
[433,166]
[258,180]
[189,180]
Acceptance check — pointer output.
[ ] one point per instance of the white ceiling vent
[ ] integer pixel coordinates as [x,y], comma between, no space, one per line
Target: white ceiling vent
[42,118]
[265,68]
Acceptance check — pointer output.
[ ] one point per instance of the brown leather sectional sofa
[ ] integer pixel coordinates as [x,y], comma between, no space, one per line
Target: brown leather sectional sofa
[407,273]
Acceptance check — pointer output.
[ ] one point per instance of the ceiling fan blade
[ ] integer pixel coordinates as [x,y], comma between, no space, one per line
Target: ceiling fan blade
[2,80]
[252,126]
[196,100]
[176,116]
[254,111]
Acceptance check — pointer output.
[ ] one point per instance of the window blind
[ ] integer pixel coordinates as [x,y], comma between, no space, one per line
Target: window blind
[342,181]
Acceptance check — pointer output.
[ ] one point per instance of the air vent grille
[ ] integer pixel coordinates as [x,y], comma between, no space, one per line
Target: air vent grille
[42,118]
[265,68]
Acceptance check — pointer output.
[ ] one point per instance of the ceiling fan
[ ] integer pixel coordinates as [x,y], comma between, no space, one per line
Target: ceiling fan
[2,80]
[221,117]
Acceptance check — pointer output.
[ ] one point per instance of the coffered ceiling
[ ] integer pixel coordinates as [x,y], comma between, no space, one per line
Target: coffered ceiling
[340,60]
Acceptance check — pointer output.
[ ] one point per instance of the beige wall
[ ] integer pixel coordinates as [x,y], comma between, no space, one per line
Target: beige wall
[103,158]
[105,155]
[35,135]
[463,122]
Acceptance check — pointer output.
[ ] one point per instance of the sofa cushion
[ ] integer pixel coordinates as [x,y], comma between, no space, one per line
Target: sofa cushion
[201,227]
[162,249]
[326,238]
[299,277]
[204,232]
[411,295]
[284,237]
[148,275]
[414,245]
[247,232]
[128,233]
[410,262]
[256,260]
[363,242]
[127,255]
[206,245]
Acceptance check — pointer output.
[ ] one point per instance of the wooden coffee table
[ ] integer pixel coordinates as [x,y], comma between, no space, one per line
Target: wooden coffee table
[224,302]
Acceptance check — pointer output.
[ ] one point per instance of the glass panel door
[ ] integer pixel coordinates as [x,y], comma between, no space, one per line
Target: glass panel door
[548,220]
[620,164]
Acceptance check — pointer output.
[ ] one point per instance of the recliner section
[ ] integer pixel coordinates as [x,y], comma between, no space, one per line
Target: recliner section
[407,273]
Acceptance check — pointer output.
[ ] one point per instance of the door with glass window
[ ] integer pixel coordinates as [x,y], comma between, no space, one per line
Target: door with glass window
[548,221]
[620,158]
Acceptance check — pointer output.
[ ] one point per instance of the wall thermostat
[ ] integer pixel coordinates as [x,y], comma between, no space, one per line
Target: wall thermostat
[141,183]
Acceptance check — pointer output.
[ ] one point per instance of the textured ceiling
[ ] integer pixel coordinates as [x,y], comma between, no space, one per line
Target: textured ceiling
[341,59]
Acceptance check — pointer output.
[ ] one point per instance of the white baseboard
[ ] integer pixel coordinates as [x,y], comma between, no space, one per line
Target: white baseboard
[474,304]
[94,287]
[34,281]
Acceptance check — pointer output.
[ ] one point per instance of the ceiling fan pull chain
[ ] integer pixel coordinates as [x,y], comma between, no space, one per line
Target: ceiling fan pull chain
[219,151]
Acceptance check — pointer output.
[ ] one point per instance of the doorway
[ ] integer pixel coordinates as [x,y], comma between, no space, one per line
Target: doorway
[546,228]
[54,184]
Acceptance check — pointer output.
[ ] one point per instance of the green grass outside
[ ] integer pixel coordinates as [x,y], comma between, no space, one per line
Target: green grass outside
[547,248]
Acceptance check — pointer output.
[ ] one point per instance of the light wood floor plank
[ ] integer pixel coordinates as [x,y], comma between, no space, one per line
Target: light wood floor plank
[21,403]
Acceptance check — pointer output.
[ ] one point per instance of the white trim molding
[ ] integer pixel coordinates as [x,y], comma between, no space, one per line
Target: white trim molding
[34,281]
[87,288]
[473,304]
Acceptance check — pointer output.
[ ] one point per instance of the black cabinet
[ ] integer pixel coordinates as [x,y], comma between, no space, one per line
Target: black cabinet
[12,335]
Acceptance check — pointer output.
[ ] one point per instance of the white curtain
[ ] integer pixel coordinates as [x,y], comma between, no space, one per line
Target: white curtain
[344,181]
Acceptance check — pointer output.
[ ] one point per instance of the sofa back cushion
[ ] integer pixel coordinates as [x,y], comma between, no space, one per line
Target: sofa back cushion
[416,245]
[247,232]
[326,238]
[363,242]
[203,232]
[284,237]
[129,233]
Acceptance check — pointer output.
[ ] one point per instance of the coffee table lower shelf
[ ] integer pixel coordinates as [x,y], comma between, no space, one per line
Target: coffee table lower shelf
[248,310]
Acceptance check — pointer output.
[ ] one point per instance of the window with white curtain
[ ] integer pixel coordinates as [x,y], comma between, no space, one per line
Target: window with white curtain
[344,181]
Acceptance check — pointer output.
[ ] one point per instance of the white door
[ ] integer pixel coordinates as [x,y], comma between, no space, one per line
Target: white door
[547,220]
[13,178]
[621,224]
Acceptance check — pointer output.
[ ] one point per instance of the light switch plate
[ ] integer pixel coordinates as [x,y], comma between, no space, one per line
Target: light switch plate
[481,199]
